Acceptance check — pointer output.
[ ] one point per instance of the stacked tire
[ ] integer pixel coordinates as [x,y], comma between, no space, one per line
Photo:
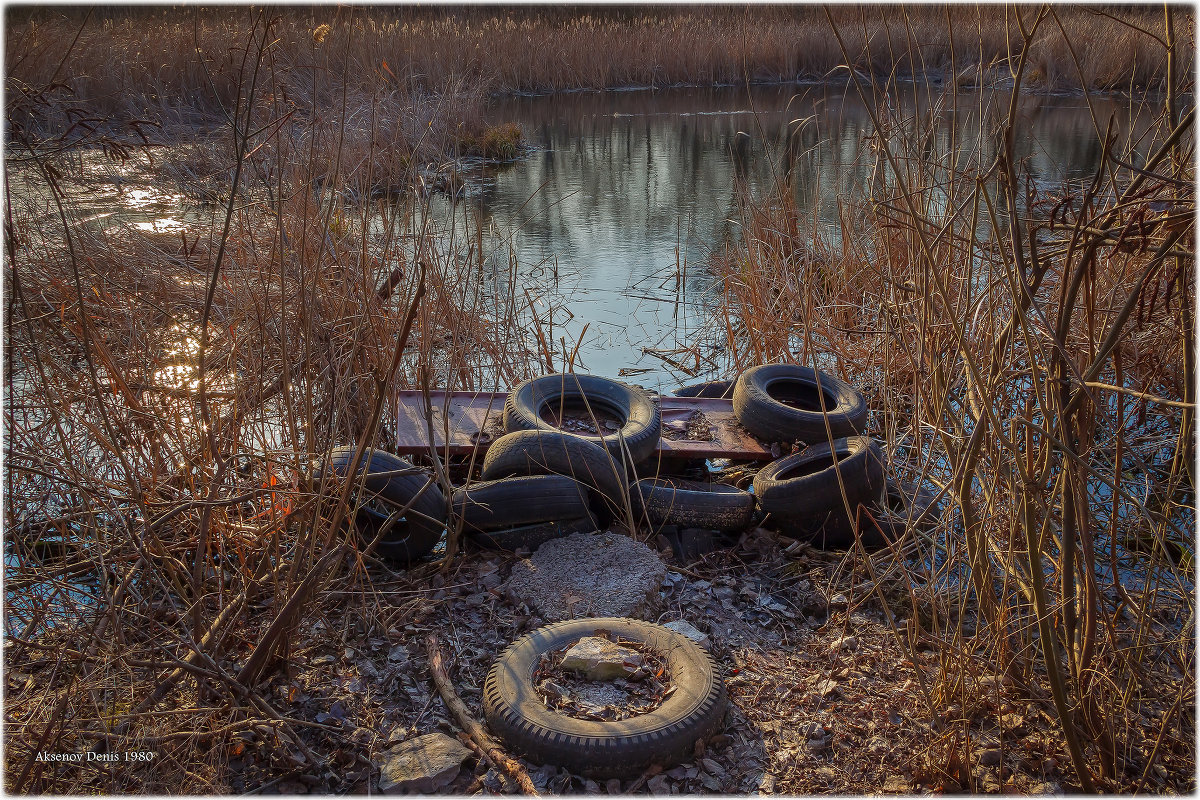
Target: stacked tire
[396,506]
[540,482]
[835,491]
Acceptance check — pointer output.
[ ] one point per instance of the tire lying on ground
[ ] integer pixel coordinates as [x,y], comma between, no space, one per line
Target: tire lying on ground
[520,500]
[532,536]
[692,504]
[638,416]
[803,495]
[908,504]
[391,484]
[711,389]
[553,452]
[664,736]
[782,402]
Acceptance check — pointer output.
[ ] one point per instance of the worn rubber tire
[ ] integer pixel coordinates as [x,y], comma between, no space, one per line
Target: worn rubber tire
[532,536]
[757,408]
[519,500]
[908,504]
[553,452]
[596,749]
[710,389]
[692,504]
[801,492]
[421,529]
[641,419]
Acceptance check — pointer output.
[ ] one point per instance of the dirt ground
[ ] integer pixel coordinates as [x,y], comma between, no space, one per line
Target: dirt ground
[823,699]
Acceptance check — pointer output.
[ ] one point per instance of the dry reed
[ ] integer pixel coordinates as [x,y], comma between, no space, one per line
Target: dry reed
[168,399]
[1028,353]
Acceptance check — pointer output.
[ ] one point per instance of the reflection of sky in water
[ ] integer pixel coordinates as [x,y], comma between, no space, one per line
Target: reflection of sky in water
[630,192]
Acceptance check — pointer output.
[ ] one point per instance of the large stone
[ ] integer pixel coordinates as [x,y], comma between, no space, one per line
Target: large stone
[421,765]
[599,659]
[588,575]
[689,630]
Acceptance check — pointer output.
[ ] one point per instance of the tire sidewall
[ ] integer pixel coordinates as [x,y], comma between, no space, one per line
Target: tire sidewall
[511,704]
[641,417]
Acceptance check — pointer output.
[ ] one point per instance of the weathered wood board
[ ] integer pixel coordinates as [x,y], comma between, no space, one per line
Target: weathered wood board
[470,420]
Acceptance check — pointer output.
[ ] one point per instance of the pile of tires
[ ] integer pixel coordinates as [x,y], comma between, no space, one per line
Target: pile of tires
[835,491]
[397,507]
[540,482]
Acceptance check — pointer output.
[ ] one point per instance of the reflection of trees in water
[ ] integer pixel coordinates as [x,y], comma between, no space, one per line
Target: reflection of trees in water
[624,178]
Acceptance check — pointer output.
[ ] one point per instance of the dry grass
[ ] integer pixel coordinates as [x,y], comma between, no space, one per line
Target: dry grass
[169,397]
[1028,352]
[142,65]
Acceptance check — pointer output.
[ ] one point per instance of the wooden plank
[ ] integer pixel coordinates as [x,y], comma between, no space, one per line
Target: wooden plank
[470,419]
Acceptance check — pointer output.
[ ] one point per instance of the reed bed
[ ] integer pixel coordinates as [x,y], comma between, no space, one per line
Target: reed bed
[1028,353]
[137,68]
[170,396]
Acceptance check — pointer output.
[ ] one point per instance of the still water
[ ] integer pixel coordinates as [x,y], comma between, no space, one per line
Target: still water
[627,194]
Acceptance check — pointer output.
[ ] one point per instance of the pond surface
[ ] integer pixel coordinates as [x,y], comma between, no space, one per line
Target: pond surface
[628,193]
[614,215]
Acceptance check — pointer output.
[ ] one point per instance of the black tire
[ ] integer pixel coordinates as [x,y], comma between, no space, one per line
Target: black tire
[692,504]
[908,504]
[664,736]
[802,495]
[421,528]
[711,389]
[520,500]
[553,452]
[532,536]
[758,404]
[640,417]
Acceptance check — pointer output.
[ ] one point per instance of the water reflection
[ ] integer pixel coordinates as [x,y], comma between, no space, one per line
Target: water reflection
[630,192]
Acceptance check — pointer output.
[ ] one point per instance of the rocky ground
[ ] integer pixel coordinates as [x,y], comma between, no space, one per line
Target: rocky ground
[823,697]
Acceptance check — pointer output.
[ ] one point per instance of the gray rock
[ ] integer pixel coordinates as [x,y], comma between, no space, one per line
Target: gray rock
[421,765]
[847,643]
[600,660]
[990,757]
[688,630]
[588,575]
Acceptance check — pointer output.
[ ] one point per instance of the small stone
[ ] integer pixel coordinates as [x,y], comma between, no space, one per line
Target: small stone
[688,630]
[601,660]
[839,600]
[613,785]
[659,785]
[421,765]
[991,683]
[847,643]
[990,757]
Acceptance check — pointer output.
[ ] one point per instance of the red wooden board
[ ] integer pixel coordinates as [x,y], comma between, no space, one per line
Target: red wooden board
[470,420]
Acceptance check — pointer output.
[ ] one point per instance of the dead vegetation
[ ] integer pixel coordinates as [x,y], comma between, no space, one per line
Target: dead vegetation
[177,578]
[1028,350]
